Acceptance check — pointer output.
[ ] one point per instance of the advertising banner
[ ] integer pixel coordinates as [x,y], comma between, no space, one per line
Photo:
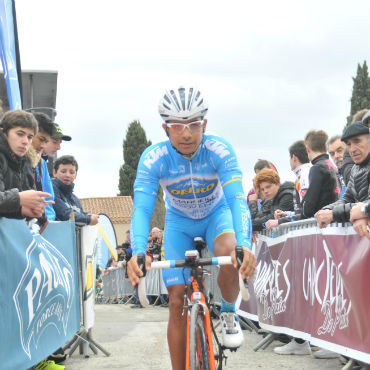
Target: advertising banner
[89,236]
[314,284]
[8,50]
[39,302]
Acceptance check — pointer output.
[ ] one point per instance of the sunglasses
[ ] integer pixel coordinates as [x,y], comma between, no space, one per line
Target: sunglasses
[178,128]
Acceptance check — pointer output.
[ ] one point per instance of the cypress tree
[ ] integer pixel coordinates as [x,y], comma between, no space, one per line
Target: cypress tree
[360,92]
[133,146]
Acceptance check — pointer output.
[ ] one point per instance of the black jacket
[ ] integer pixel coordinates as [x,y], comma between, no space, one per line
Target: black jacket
[324,187]
[358,190]
[15,176]
[283,200]
[346,167]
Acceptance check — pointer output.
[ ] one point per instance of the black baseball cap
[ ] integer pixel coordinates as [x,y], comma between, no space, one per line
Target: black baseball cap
[58,134]
[355,129]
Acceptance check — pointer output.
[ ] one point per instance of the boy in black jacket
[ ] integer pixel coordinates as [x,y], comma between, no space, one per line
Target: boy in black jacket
[324,186]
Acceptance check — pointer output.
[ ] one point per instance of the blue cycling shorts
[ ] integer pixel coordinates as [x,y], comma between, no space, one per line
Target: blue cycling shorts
[179,234]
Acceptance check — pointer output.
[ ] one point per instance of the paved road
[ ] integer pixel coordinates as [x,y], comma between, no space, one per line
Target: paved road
[136,339]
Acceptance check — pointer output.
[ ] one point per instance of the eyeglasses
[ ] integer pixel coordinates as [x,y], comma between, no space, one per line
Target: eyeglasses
[178,128]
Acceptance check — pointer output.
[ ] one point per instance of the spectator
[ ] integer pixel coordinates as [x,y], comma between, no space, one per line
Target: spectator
[18,198]
[300,165]
[41,173]
[66,202]
[347,160]
[336,149]
[267,182]
[53,146]
[356,137]
[120,253]
[259,165]
[263,163]
[324,187]
[366,118]
[156,244]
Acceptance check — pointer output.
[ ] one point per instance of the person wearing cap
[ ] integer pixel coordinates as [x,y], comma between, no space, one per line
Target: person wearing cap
[347,160]
[54,145]
[357,138]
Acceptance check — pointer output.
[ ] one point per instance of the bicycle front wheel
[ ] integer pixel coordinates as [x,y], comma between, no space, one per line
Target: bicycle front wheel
[197,340]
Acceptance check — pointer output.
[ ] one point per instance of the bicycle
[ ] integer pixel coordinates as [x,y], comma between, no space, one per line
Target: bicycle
[203,348]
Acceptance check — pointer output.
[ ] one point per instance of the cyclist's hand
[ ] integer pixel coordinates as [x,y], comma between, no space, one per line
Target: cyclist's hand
[133,271]
[249,263]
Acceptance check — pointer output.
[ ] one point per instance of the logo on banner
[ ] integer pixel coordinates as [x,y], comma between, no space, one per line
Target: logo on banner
[327,291]
[268,292]
[44,294]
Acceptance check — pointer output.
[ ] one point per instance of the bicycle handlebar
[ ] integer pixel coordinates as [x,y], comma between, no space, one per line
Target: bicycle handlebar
[215,261]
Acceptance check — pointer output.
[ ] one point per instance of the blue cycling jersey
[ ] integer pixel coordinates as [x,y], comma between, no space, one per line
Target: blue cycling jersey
[194,187]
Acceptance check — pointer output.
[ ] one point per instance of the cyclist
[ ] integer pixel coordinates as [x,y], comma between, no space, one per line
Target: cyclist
[202,180]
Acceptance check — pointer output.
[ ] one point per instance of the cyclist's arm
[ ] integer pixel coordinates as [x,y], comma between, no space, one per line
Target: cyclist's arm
[228,169]
[143,208]
[145,193]
[236,200]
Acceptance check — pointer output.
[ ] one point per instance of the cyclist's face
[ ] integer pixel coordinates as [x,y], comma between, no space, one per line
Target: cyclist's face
[186,141]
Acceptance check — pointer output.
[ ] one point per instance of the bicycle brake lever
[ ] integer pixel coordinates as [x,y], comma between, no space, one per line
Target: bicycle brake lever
[239,255]
[243,283]
[141,263]
[141,288]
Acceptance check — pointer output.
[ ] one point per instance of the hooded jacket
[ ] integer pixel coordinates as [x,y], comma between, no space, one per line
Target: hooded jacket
[283,200]
[66,203]
[15,176]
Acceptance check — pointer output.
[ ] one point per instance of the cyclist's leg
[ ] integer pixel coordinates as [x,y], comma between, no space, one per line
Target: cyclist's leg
[221,240]
[176,330]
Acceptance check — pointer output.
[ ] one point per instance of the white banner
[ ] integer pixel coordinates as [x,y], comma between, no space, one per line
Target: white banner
[89,236]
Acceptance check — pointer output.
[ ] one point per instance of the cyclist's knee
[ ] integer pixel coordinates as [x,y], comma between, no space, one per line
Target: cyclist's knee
[176,297]
[224,244]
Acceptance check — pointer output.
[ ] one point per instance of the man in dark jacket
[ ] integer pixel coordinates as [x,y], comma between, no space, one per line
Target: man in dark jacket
[356,136]
[324,186]
[276,196]
[364,116]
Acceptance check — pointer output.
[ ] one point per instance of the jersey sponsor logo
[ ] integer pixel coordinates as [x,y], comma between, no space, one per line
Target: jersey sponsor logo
[217,147]
[188,191]
[152,156]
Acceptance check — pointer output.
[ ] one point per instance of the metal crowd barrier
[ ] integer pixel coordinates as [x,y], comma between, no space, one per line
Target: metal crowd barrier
[118,289]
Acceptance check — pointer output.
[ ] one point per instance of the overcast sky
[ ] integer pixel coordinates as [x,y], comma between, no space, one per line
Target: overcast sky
[270,71]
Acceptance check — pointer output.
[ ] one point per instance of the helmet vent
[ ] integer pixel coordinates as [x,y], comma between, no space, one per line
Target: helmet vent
[182,97]
[189,98]
[175,101]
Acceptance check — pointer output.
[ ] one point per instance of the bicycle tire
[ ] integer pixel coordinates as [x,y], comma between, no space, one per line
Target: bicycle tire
[197,340]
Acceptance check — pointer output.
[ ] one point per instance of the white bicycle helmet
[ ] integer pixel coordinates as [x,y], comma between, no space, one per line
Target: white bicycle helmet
[182,104]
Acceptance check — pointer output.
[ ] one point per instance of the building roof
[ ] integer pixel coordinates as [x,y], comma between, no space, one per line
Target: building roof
[119,209]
